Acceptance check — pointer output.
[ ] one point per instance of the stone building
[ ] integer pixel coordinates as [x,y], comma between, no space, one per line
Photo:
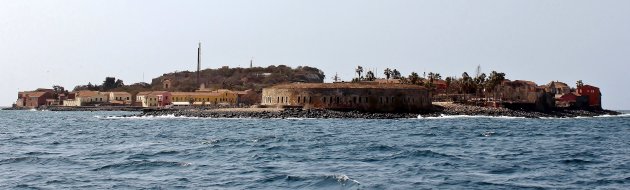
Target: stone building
[520,94]
[33,99]
[367,97]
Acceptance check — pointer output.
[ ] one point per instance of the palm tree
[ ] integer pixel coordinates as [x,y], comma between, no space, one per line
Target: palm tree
[449,80]
[388,73]
[434,76]
[414,78]
[494,80]
[359,70]
[467,84]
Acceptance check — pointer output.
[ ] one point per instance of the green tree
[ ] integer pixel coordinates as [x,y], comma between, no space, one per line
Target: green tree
[109,83]
[119,83]
[396,74]
[414,78]
[369,76]
[449,81]
[494,80]
[467,84]
[579,83]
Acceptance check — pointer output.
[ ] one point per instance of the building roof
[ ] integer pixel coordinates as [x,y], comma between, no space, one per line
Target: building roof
[195,93]
[151,93]
[389,81]
[120,93]
[589,86]
[86,93]
[36,94]
[348,85]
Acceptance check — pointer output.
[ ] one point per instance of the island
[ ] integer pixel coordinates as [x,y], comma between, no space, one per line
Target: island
[285,92]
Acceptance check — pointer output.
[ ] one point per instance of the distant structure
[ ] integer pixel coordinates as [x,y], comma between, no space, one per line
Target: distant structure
[198,62]
[167,83]
[478,71]
[367,97]
[251,63]
[336,78]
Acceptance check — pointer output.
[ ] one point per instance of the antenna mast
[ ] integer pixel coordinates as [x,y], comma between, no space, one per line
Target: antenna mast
[478,71]
[198,62]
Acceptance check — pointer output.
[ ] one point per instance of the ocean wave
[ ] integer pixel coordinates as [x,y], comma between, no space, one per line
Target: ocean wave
[151,155]
[142,165]
[336,181]
[442,116]
[620,115]
[37,160]
[588,117]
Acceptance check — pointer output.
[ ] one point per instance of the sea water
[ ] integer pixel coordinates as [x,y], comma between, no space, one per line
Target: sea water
[99,150]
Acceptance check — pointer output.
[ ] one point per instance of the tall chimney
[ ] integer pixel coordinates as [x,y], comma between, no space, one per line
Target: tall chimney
[198,63]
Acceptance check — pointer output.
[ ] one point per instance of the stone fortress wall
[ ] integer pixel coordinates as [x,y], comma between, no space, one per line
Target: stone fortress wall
[365,97]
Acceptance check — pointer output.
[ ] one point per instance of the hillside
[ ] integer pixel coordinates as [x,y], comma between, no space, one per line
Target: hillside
[254,78]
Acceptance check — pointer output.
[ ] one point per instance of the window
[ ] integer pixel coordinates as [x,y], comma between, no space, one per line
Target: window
[298,99]
[354,100]
[310,100]
[324,100]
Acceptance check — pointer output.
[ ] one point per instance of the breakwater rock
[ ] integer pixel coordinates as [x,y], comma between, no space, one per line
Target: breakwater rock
[439,110]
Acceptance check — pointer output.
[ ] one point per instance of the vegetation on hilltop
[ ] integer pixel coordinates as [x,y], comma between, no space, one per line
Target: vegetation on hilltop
[254,78]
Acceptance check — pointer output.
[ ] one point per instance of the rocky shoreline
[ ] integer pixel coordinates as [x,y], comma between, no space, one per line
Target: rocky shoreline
[439,110]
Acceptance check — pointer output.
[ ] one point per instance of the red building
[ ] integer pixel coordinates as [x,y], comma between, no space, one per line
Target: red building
[440,86]
[593,94]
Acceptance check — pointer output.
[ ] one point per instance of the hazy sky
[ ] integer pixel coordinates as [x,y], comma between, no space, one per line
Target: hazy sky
[68,43]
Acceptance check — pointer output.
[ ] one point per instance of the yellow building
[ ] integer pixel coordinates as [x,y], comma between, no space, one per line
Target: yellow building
[87,98]
[218,97]
[120,98]
[153,98]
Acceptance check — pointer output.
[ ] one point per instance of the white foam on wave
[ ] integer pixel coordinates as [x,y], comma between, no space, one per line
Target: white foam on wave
[585,117]
[620,115]
[344,178]
[442,116]
[169,116]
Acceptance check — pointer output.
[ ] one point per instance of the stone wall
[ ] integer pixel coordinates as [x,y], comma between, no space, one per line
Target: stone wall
[368,98]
